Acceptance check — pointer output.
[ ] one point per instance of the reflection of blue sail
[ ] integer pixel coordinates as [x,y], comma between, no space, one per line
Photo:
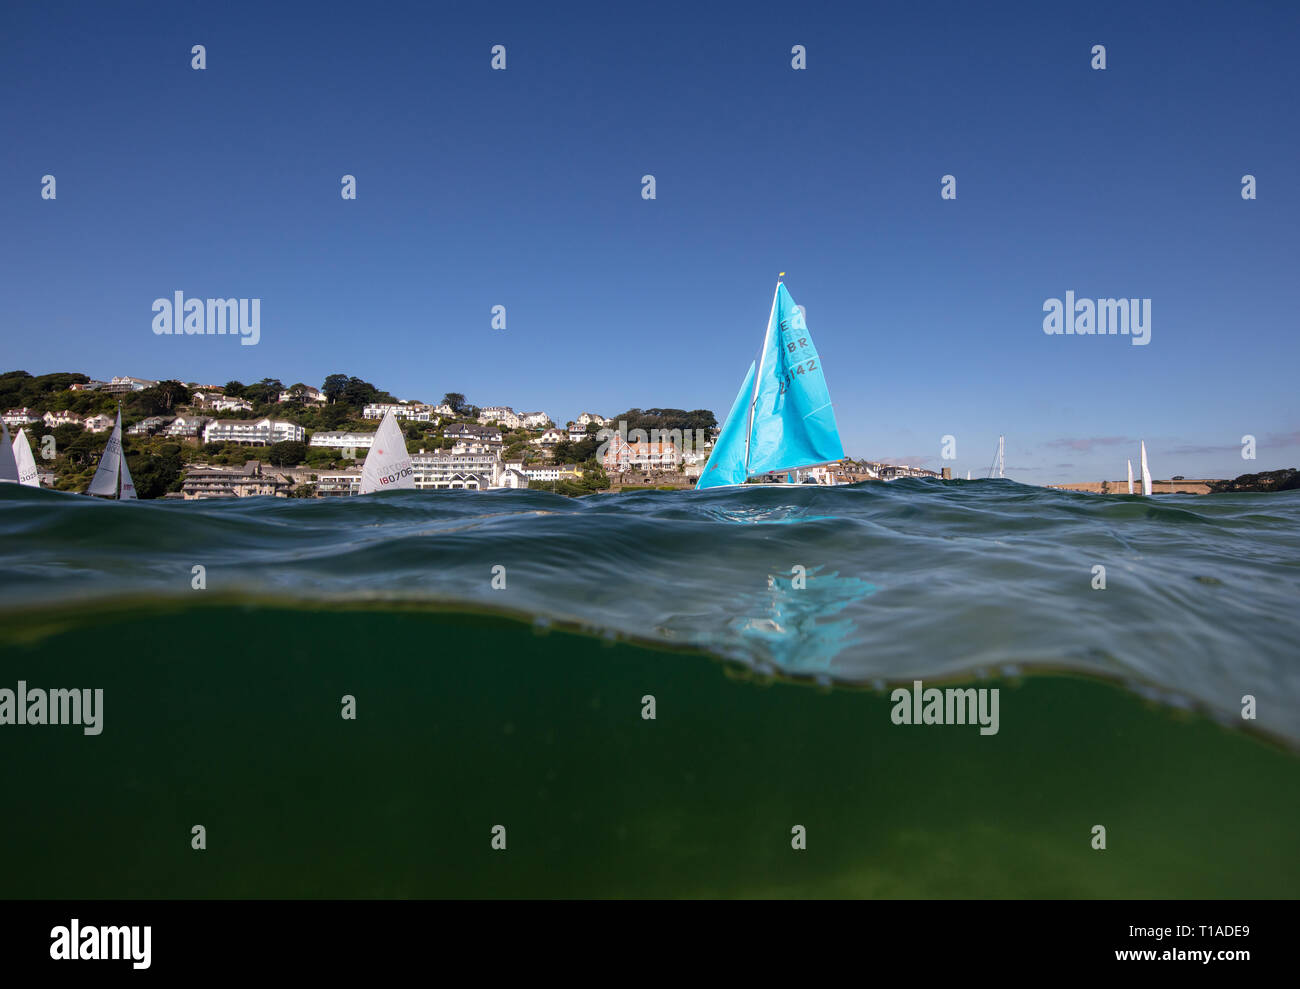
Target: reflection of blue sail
[794,423]
[795,631]
[727,462]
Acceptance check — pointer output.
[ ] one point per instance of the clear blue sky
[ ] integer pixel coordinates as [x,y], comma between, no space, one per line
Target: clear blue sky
[522,188]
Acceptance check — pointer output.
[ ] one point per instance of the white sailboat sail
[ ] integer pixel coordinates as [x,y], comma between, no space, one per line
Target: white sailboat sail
[387,465]
[27,473]
[1146,471]
[8,465]
[105,480]
[127,490]
[1130,477]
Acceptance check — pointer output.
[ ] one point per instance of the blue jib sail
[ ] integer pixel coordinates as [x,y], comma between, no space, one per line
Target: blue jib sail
[793,421]
[727,462]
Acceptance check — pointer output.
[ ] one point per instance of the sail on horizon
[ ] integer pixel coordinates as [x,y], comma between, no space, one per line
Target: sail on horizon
[106,474]
[788,419]
[387,465]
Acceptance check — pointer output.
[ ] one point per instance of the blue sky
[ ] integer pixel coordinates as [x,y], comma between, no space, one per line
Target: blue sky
[523,188]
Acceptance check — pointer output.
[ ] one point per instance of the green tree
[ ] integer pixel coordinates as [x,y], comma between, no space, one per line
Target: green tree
[333,387]
[456,400]
[287,453]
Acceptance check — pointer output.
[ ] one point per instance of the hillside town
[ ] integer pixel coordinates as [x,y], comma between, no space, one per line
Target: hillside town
[195,440]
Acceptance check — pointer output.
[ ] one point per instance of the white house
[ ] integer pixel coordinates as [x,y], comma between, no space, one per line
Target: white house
[551,472]
[303,393]
[359,441]
[64,418]
[451,469]
[589,417]
[149,426]
[99,424]
[445,410]
[550,438]
[183,427]
[510,478]
[17,418]
[126,384]
[338,482]
[220,403]
[256,432]
[534,420]
[468,431]
[411,411]
[502,414]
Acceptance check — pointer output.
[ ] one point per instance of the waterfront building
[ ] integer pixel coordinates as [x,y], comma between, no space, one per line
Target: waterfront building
[342,440]
[231,482]
[255,432]
[125,385]
[410,411]
[17,418]
[622,455]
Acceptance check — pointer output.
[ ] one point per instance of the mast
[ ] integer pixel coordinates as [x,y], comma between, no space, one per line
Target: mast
[998,458]
[753,395]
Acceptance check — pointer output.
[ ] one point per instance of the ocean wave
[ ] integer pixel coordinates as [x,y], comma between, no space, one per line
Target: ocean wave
[868,584]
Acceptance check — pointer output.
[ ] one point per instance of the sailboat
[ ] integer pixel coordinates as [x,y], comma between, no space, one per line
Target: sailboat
[1130,477]
[27,473]
[388,465]
[112,468]
[1146,471]
[8,463]
[999,459]
[782,419]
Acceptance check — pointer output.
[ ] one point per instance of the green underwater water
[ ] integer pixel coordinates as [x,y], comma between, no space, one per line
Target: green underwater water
[227,714]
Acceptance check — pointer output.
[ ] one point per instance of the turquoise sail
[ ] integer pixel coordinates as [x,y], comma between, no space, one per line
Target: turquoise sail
[793,421]
[727,462]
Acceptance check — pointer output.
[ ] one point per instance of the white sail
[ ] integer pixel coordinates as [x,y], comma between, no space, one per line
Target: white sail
[127,490]
[387,465]
[105,479]
[1146,471]
[968,475]
[1130,477]
[26,462]
[8,465]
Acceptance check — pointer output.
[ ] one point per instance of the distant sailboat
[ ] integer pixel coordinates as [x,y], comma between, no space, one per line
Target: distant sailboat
[112,469]
[1146,471]
[1130,477]
[388,465]
[968,474]
[27,473]
[999,459]
[782,419]
[8,464]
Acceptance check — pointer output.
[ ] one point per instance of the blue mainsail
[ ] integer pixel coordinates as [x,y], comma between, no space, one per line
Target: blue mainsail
[782,420]
[794,423]
[727,462]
